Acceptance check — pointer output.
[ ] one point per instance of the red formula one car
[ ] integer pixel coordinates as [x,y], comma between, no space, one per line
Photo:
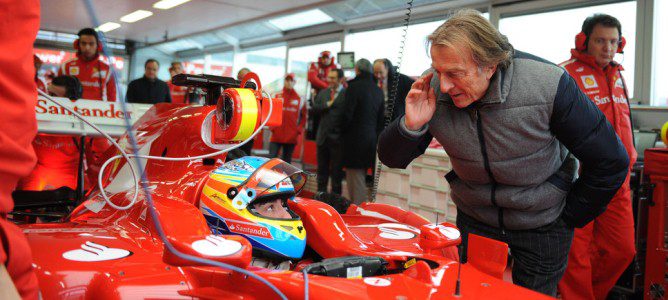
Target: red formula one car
[245,213]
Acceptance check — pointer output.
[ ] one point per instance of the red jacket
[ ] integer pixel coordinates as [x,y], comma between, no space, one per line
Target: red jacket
[17,158]
[607,88]
[317,75]
[94,75]
[294,118]
[178,93]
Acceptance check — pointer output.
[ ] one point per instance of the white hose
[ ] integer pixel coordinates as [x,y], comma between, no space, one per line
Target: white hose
[128,156]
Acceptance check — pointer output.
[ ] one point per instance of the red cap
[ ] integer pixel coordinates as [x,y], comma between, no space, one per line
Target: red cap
[325,54]
[291,76]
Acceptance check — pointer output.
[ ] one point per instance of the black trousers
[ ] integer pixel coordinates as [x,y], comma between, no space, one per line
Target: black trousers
[288,149]
[540,255]
[330,164]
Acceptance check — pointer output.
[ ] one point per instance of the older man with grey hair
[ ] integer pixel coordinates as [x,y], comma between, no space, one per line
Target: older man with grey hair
[362,122]
[508,121]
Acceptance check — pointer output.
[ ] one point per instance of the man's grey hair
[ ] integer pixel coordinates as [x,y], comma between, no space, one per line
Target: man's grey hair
[364,65]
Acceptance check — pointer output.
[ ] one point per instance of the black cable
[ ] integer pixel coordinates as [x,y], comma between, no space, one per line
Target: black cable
[392,94]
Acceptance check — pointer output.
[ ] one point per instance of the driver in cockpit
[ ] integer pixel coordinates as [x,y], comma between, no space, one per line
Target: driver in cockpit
[253,202]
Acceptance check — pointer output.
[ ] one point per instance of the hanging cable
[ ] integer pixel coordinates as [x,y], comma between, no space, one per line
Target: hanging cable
[392,97]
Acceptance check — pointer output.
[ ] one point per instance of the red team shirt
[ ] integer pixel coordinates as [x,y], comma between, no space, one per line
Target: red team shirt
[294,118]
[607,89]
[94,76]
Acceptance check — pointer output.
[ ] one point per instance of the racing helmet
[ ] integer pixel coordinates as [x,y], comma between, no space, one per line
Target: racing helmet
[233,193]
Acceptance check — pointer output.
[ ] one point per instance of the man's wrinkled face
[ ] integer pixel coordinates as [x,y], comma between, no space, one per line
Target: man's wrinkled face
[151,70]
[380,71]
[88,46]
[333,79]
[458,74]
[603,43]
[273,209]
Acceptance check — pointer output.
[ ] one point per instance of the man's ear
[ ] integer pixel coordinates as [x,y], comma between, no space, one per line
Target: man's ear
[489,71]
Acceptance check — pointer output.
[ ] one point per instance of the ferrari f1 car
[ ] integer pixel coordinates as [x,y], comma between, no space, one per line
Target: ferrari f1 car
[168,240]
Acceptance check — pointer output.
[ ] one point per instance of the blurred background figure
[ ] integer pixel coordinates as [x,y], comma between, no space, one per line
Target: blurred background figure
[329,108]
[294,118]
[149,89]
[386,74]
[362,123]
[179,94]
[317,77]
[242,73]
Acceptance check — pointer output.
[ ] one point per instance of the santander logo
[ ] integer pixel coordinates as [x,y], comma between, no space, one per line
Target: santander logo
[248,229]
[216,246]
[102,110]
[92,252]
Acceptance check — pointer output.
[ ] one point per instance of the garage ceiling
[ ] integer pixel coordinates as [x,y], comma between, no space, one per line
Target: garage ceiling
[200,25]
[190,17]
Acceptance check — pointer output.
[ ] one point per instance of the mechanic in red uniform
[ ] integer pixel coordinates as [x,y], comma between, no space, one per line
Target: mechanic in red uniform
[294,119]
[603,249]
[94,74]
[317,77]
[20,19]
[317,72]
[179,93]
[98,84]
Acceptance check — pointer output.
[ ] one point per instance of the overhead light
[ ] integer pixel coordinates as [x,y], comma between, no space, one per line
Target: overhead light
[167,4]
[302,19]
[109,26]
[136,16]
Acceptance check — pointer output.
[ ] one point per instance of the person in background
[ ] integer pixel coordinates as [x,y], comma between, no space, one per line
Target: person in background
[509,122]
[149,89]
[39,81]
[242,73]
[18,97]
[57,155]
[361,123]
[287,135]
[248,146]
[592,274]
[386,75]
[317,77]
[179,94]
[97,81]
[94,74]
[329,107]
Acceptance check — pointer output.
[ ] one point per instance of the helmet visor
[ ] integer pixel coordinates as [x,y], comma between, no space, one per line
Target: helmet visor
[275,177]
